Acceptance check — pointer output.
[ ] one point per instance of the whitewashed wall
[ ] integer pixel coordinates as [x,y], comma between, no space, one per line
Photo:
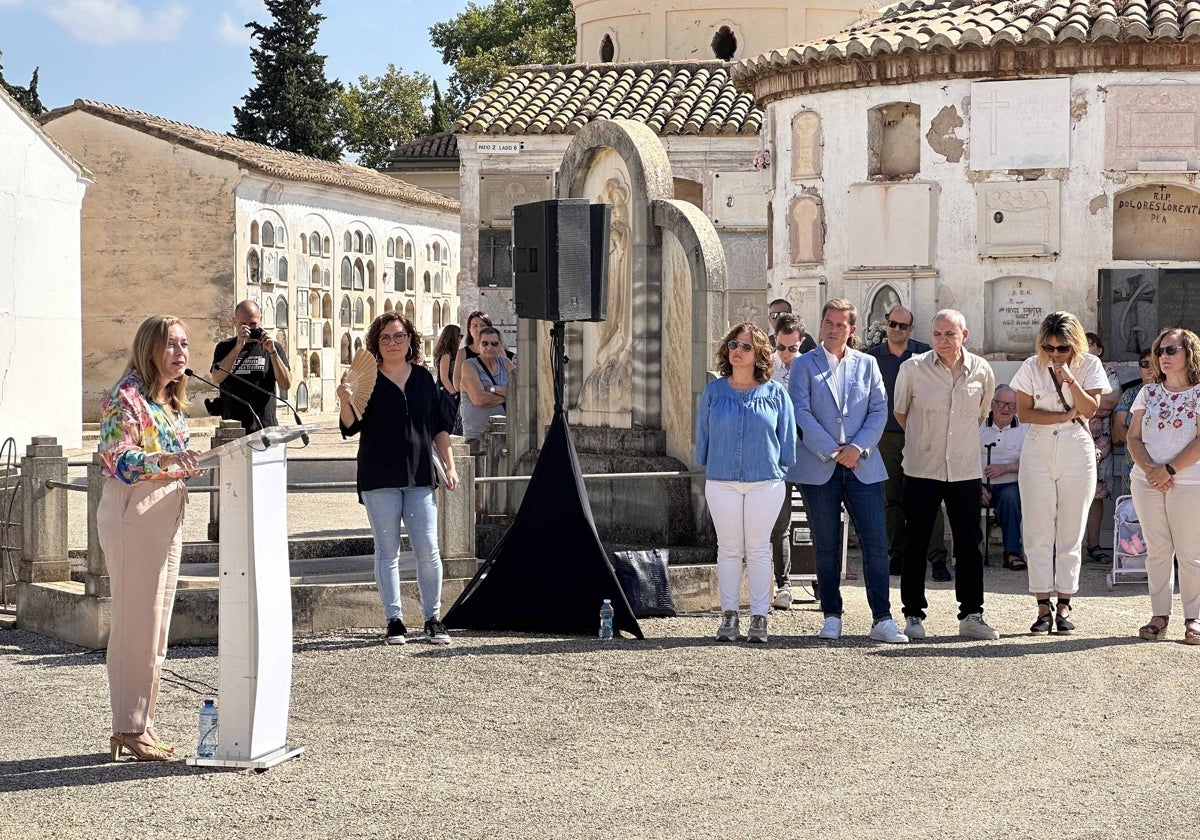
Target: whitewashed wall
[41,194]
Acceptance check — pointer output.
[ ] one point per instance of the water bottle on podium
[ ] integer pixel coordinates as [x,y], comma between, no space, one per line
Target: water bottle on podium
[207,747]
[606,620]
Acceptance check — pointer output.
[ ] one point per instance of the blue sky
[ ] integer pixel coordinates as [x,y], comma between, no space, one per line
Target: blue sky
[189,60]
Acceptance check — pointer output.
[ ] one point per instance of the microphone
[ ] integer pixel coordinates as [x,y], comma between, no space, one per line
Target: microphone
[295,413]
[194,375]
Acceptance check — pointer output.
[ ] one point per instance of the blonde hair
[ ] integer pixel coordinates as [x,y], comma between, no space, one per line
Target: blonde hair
[1065,326]
[1190,344]
[145,356]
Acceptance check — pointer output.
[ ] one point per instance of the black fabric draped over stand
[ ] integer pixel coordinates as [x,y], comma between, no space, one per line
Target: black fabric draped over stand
[550,572]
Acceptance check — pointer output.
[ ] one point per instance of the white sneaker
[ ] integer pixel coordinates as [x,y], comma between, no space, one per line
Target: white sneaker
[887,631]
[758,629]
[914,627]
[831,629]
[974,627]
[783,598]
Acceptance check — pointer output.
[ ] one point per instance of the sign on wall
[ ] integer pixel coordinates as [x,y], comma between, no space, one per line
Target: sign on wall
[739,199]
[499,192]
[1157,222]
[1022,124]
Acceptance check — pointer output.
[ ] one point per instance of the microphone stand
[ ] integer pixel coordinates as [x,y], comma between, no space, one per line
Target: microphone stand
[189,372]
[247,382]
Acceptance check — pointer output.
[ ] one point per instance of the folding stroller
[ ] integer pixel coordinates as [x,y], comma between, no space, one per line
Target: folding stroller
[1129,549]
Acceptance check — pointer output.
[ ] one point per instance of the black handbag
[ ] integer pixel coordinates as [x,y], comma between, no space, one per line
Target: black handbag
[643,577]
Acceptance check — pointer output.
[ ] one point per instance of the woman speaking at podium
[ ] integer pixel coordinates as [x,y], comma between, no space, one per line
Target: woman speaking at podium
[144,456]
[400,425]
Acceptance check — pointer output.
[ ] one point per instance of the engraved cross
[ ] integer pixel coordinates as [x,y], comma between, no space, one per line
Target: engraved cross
[995,107]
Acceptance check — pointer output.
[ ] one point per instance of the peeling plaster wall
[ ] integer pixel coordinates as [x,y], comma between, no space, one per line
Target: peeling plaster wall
[40,341]
[958,274]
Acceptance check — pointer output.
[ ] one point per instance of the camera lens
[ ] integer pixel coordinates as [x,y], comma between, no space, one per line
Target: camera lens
[256,332]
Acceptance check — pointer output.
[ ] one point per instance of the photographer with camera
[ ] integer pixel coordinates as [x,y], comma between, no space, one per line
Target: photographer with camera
[251,356]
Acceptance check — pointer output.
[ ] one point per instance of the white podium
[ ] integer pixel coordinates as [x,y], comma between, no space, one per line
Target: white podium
[254,640]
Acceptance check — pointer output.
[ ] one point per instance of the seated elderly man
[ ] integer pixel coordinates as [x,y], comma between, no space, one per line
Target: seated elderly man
[1000,439]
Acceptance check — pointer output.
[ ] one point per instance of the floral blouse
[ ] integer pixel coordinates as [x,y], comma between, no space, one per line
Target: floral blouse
[1168,426]
[135,431]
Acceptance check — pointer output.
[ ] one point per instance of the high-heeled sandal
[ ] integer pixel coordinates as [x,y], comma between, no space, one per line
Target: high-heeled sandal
[1191,631]
[1045,620]
[1154,631]
[120,744]
[1064,624]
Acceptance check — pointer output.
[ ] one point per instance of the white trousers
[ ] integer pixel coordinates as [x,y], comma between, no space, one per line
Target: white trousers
[1170,527]
[1057,480]
[743,513]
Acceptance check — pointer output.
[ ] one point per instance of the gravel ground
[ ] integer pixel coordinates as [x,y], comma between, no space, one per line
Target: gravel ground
[1084,736]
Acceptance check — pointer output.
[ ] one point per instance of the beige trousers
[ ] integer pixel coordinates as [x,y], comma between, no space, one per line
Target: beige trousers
[141,532]
[1170,527]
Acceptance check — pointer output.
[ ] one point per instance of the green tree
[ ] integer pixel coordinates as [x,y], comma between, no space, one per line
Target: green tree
[26,96]
[441,117]
[378,113]
[483,42]
[292,106]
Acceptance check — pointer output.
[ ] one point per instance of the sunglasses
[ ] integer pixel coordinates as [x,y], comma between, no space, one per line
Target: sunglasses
[483,343]
[1170,350]
[775,315]
[896,325]
[1144,364]
[788,348]
[392,337]
[734,345]
[1057,348]
[1011,406]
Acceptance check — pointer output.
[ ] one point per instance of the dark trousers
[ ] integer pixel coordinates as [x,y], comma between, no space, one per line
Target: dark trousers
[891,447]
[922,496]
[781,550]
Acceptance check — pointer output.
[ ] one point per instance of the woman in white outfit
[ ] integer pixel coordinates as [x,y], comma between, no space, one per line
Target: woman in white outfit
[1058,391]
[1164,442]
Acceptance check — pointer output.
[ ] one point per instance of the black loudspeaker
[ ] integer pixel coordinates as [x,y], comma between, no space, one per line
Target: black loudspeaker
[560,260]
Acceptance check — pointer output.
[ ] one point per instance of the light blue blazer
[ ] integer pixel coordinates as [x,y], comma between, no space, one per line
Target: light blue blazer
[861,409]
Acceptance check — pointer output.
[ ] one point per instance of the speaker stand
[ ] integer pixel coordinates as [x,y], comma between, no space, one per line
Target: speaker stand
[558,362]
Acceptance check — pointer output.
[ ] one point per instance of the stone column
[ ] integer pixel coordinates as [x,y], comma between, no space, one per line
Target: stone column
[43,514]
[227,431]
[95,577]
[456,510]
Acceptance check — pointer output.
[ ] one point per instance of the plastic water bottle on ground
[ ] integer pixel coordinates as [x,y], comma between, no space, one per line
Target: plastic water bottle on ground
[606,619]
[207,747]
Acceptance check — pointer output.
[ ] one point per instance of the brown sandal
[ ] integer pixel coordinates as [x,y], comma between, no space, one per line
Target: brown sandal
[1191,631]
[1154,630]
[1014,561]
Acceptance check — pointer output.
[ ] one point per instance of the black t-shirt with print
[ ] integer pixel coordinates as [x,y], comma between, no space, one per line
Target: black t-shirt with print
[253,364]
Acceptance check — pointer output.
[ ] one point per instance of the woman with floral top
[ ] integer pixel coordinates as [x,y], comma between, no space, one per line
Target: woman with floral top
[1164,443]
[144,455]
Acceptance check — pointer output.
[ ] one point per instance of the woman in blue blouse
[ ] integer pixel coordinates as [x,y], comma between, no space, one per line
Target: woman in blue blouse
[746,440]
[400,426]
[144,456]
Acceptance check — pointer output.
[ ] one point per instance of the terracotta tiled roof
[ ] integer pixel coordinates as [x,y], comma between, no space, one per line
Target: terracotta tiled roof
[921,26]
[671,97]
[435,150]
[260,158]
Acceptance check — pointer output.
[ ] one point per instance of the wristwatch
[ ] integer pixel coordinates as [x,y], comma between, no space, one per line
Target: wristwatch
[1170,470]
[491,389]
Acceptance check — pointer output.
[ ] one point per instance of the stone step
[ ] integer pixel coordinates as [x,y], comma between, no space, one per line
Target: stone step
[358,568]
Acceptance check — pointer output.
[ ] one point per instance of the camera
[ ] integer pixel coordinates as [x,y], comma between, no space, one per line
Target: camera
[256,333]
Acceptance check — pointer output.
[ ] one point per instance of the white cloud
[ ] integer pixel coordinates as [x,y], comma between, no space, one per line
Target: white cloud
[233,33]
[108,22]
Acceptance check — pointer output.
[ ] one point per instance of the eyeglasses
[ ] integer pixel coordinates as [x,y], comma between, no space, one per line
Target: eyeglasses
[775,315]
[734,345]
[788,348]
[896,325]
[1057,348]
[1144,364]
[1170,350]
[1011,406]
[493,343]
[390,338]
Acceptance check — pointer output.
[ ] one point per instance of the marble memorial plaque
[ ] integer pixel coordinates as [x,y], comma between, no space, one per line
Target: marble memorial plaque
[739,199]
[1154,124]
[499,192]
[1017,218]
[1016,307]
[1022,124]
[1157,222]
[806,230]
[806,145]
[892,224]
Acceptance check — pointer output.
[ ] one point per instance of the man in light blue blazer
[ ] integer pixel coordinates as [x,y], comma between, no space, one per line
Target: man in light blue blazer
[841,409]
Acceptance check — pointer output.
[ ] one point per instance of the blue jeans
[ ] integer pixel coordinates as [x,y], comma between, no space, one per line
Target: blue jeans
[385,510]
[864,503]
[1006,500]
